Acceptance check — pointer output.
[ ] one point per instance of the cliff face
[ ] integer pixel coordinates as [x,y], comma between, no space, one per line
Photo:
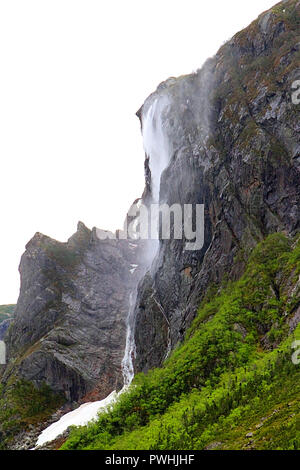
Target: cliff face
[70,322]
[6,316]
[230,137]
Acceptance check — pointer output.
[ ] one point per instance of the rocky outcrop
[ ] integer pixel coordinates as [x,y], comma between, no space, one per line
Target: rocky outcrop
[231,135]
[70,321]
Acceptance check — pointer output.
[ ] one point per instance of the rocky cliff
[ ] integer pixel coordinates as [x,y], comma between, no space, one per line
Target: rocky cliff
[230,138]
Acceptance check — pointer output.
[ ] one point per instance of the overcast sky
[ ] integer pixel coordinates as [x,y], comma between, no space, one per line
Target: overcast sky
[73,74]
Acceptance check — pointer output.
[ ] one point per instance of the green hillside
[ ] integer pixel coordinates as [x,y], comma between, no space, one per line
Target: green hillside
[232,384]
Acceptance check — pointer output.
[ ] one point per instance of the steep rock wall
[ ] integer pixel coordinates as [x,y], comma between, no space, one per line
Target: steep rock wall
[231,134]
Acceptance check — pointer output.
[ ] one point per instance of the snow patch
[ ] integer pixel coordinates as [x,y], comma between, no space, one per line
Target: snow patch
[79,417]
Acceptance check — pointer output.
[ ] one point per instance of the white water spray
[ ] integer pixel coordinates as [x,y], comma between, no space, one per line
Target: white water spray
[156,144]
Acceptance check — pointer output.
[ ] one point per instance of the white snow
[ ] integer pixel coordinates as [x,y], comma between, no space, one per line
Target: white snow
[79,417]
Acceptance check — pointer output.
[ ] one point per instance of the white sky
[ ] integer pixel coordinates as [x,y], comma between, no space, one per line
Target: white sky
[73,74]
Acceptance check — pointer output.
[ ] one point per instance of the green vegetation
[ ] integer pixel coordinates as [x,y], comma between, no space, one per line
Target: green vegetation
[6,311]
[232,383]
[22,404]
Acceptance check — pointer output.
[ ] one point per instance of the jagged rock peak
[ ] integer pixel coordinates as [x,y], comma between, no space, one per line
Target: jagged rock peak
[81,237]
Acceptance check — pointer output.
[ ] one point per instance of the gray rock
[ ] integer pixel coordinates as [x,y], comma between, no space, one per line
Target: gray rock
[70,321]
[4,325]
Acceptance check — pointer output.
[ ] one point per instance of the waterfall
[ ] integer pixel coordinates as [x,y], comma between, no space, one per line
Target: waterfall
[127,362]
[2,353]
[156,144]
